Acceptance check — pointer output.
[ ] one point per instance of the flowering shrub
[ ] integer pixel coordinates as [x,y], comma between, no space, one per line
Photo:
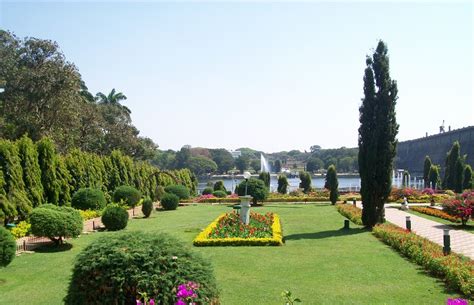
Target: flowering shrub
[215,235]
[187,294]
[461,207]
[22,229]
[351,212]
[434,212]
[428,191]
[457,271]
[89,214]
[457,302]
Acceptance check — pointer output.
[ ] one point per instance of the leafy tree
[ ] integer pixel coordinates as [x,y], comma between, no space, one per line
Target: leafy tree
[315,148]
[182,158]
[255,164]
[346,164]
[113,98]
[277,166]
[242,163]
[305,183]
[219,186]
[468,184]
[282,184]
[314,164]
[265,177]
[31,170]
[434,177]
[255,188]
[223,159]
[426,170]
[201,165]
[332,183]
[377,136]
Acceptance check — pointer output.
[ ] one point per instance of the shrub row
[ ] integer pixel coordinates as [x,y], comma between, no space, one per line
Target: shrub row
[203,238]
[353,213]
[434,212]
[457,271]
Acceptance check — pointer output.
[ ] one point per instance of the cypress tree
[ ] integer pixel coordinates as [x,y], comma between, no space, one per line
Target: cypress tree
[458,175]
[467,184]
[377,136]
[426,170]
[7,208]
[434,176]
[76,166]
[282,184]
[31,170]
[64,180]
[47,159]
[265,177]
[305,183]
[332,183]
[453,155]
[14,185]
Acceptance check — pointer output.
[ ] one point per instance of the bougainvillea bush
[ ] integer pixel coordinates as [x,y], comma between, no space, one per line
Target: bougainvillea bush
[461,207]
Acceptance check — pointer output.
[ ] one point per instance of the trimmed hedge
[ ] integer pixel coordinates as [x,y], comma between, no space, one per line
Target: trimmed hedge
[169,201]
[457,271]
[203,238]
[147,207]
[56,223]
[115,217]
[219,194]
[115,268]
[179,190]
[88,199]
[128,194]
[207,191]
[353,213]
[7,247]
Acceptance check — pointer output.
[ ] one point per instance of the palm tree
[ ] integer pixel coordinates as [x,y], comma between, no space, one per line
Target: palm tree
[113,98]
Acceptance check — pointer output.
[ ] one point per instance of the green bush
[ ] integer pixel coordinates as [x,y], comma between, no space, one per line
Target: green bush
[147,207]
[305,183]
[207,191]
[219,186]
[115,268]
[256,188]
[169,201]
[88,199]
[128,194]
[115,217]
[179,190]
[160,191]
[7,247]
[56,223]
[22,229]
[219,194]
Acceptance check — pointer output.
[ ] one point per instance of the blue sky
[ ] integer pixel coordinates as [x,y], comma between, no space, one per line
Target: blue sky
[271,76]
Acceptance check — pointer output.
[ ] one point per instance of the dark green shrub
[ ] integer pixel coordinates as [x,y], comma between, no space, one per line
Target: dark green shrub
[219,186]
[179,190]
[160,191]
[7,247]
[282,184]
[131,262]
[265,177]
[256,188]
[305,183]
[207,191]
[56,223]
[332,183]
[147,207]
[169,201]
[88,199]
[128,194]
[115,217]
[220,194]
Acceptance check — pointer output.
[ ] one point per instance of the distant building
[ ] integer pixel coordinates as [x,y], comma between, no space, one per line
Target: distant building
[236,153]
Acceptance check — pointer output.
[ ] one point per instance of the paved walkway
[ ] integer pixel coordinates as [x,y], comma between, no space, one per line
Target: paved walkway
[462,242]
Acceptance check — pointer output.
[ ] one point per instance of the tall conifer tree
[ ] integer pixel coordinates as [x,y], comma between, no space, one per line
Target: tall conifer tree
[426,170]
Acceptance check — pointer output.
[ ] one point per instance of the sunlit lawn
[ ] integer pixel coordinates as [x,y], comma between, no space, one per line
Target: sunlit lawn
[320,263]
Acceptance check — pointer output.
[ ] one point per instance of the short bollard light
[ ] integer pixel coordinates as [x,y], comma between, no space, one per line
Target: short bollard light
[346,224]
[354,202]
[408,223]
[446,242]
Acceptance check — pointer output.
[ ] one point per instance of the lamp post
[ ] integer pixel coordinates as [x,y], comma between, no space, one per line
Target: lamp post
[245,202]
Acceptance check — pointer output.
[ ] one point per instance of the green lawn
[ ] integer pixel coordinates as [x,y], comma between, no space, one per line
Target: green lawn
[320,263]
[469,227]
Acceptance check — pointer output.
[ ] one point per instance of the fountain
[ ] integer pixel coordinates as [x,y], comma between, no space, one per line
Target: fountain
[264,166]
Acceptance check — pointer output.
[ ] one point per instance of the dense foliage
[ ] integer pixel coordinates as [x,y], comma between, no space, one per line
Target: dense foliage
[7,247]
[219,194]
[179,190]
[169,201]
[255,188]
[56,223]
[332,184]
[265,177]
[219,186]
[434,177]
[115,217]
[88,199]
[426,170]
[377,135]
[282,184]
[305,181]
[207,191]
[128,264]
[454,171]
[461,207]
[127,194]
[147,207]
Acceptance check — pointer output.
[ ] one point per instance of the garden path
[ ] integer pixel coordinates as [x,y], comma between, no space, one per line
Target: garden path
[462,242]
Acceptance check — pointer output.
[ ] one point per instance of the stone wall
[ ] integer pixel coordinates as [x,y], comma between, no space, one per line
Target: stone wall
[411,154]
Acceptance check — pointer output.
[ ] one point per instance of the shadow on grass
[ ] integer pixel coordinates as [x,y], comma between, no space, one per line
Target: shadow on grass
[2,281]
[52,248]
[325,234]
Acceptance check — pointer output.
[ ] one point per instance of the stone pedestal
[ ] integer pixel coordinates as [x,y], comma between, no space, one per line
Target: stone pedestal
[245,208]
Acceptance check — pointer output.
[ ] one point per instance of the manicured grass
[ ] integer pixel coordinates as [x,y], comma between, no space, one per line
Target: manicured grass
[469,227]
[320,263]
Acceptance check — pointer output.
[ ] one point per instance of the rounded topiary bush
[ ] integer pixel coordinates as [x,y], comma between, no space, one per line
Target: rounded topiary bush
[114,269]
[220,194]
[169,201]
[115,217]
[88,199]
[207,191]
[179,190]
[56,223]
[147,207]
[7,247]
[128,194]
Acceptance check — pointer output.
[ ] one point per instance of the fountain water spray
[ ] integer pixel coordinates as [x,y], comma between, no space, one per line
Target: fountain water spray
[264,166]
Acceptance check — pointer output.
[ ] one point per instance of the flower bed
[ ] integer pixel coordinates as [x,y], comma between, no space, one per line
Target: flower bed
[351,212]
[227,230]
[461,207]
[434,212]
[457,271]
